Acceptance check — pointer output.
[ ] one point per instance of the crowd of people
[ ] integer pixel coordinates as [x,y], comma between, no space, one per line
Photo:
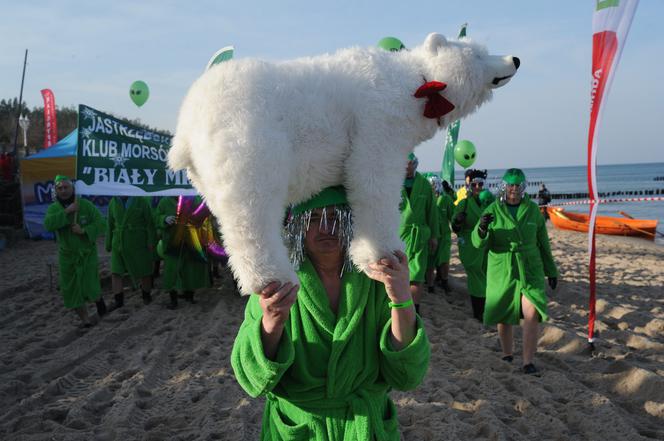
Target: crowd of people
[133,230]
[326,352]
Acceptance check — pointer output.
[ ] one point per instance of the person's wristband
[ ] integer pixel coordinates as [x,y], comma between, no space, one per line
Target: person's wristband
[401,305]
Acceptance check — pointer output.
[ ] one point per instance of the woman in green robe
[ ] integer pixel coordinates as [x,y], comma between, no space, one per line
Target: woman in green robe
[445,206]
[466,215]
[513,232]
[185,269]
[419,226]
[130,237]
[326,353]
[77,223]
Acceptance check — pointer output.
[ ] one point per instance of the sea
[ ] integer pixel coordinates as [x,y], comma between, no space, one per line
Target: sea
[568,184]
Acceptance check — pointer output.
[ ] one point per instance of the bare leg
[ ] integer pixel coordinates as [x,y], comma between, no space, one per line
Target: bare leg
[82,313]
[117,288]
[506,339]
[146,283]
[416,293]
[530,330]
[146,288]
[116,283]
[429,278]
[442,273]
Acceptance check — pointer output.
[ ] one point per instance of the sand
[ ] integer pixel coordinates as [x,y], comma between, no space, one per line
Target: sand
[148,373]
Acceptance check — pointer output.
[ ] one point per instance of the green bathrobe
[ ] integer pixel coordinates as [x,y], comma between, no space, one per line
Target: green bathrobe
[78,260]
[419,223]
[445,211]
[130,236]
[472,259]
[331,375]
[182,269]
[519,256]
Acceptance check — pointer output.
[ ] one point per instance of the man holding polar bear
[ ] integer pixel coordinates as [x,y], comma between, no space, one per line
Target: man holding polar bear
[333,327]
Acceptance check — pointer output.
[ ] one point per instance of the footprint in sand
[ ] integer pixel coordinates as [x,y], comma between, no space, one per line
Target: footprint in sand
[125,375]
[57,414]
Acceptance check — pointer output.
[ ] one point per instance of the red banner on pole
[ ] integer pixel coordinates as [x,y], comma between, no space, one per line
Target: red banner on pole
[50,121]
[611,22]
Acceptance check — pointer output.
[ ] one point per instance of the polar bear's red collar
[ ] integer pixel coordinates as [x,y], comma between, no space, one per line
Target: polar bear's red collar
[436,106]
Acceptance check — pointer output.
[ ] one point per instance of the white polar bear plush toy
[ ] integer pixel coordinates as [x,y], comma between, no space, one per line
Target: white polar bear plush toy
[255,137]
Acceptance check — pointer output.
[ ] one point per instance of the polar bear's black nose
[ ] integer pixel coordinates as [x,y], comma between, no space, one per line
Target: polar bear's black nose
[516,62]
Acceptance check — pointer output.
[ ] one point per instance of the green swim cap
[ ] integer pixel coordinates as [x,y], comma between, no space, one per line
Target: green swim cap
[391,44]
[328,196]
[514,176]
[60,178]
[486,197]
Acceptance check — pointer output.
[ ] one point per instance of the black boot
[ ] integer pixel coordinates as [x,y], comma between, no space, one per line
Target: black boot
[174,300]
[101,307]
[189,296]
[119,300]
[147,297]
[445,285]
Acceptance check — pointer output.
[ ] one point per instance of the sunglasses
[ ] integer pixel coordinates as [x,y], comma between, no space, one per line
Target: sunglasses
[477,184]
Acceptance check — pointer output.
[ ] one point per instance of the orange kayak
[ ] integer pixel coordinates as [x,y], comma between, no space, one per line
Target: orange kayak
[568,220]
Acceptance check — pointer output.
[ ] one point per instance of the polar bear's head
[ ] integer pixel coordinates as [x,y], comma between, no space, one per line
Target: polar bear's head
[468,70]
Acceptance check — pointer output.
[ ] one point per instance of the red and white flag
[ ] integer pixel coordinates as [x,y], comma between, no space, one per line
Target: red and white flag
[50,121]
[611,22]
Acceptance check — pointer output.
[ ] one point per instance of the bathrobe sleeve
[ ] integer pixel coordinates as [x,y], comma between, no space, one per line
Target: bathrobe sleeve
[56,218]
[404,369]
[253,370]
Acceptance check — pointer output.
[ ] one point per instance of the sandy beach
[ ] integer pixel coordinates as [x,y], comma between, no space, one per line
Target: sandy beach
[148,373]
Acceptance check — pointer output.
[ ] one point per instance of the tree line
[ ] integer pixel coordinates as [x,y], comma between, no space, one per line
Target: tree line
[67,120]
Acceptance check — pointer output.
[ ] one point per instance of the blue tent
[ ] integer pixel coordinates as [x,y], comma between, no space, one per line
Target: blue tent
[65,147]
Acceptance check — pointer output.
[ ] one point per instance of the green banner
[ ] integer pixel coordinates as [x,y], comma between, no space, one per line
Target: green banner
[115,157]
[447,168]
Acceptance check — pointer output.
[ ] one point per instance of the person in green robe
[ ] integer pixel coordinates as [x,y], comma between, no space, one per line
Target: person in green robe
[76,223]
[185,268]
[439,262]
[466,215]
[513,233]
[130,237]
[326,353]
[419,226]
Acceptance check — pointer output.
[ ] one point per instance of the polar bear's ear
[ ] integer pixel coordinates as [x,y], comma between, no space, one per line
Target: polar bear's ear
[433,42]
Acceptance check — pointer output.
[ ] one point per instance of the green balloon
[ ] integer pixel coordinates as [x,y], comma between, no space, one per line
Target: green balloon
[139,92]
[465,153]
[391,44]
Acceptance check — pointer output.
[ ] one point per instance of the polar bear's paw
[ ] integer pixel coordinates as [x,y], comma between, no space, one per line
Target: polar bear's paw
[252,279]
[363,252]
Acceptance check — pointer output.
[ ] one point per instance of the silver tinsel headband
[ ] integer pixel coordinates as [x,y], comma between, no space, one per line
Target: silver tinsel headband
[296,228]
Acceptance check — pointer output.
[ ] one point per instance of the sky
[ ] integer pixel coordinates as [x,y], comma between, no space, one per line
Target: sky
[90,52]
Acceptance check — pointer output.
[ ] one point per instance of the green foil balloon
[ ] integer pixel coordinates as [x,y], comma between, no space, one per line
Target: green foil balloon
[139,92]
[465,153]
[391,44]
